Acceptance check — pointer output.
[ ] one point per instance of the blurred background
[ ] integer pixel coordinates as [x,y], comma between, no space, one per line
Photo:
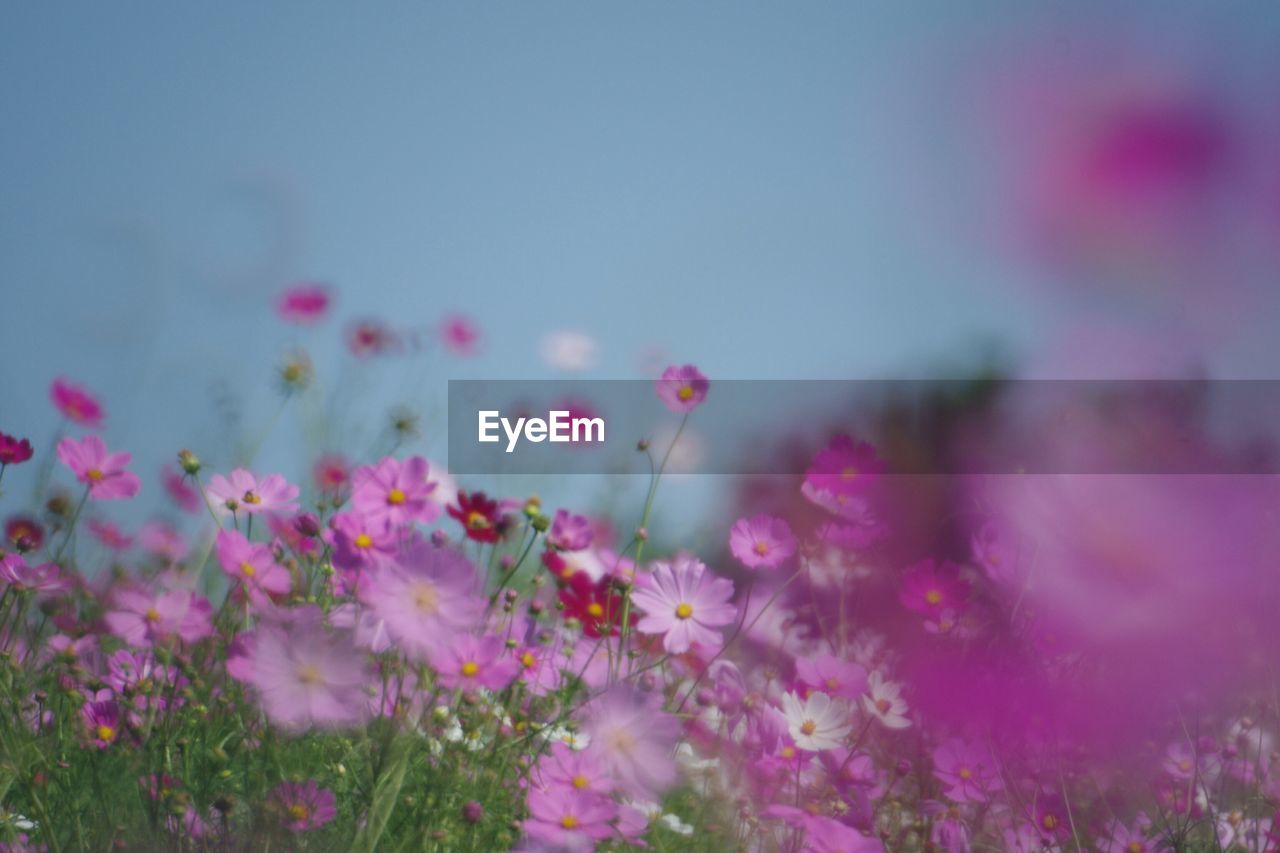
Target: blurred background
[765,190]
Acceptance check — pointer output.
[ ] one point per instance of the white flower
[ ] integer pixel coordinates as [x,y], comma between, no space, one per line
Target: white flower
[653,811]
[884,702]
[816,723]
[569,350]
[675,824]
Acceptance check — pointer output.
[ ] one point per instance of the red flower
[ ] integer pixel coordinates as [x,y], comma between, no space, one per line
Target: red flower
[14,450]
[596,604]
[479,516]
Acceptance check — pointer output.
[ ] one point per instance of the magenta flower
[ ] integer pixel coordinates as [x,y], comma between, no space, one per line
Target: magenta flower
[104,473]
[569,532]
[45,578]
[240,491]
[565,767]
[969,771]
[252,564]
[831,675]
[14,451]
[762,542]
[331,473]
[359,544]
[634,739]
[109,534]
[470,661]
[933,590]
[76,404]
[682,389]
[684,603]
[306,676]
[136,672]
[459,335]
[303,303]
[843,468]
[394,492]
[102,721]
[305,805]
[425,598]
[142,618]
[569,819]
[158,538]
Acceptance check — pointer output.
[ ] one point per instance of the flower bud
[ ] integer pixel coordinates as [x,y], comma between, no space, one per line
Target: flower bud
[189,462]
[473,812]
[307,525]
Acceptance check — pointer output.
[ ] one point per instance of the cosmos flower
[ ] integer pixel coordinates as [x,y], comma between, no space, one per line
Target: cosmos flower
[109,534]
[569,532]
[183,495]
[816,723]
[563,766]
[459,335]
[45,578]
[597,605]
[685,603]
[104,473]
[569,819]
[682,389]
[76,404]
[332,473]
[480,516]
[14,451]
[251,564]
[831,675]
[933,590]
[303,303]
[142,618]
[968,770]
[359,543]
[370,337]
[470,661]
[762,542]
[305,805]
[634,739]
[395,492]
[102,721]
[241,491]
[843,467]
[24,533]
[884,702]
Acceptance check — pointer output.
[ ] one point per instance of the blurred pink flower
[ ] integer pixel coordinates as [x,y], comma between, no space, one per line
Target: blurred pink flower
[109,534]
[183,495]
[240,491]
[469,661]
[570,532]
[569,819]
[104,473]
[45,578]
[831,675]
[684,603]
[682,389]
[762,542]
[969,771]
[14,451]
[76,404]
[844,468]
[565,767]
[932,589]
[142,618]
[634,739]
[459,335]
[332,473]
[305,805]
[252,564]
[304,303]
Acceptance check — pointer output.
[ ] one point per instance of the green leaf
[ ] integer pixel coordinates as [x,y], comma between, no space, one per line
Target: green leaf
[386,792]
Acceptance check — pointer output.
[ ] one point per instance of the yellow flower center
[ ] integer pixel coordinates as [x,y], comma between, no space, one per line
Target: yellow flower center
[883,705]
[364,540]
[528,661]
[684,610]
[568,821]
[788,752]
[933,596]
[762,548]
[1049,821]
[1135,847]
[964,773]
[105,733]
[580,781]
[832,684]
[808,727]
[395,497]
[685,393]
[477,520]
[425,597]
[309,673]
[248,570]
[595,609]
[298,811]
[848,472]
[470,668]
[95,474]
[252,498]
[152,615]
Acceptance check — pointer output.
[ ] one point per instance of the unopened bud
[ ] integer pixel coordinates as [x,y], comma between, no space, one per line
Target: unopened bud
[189,461]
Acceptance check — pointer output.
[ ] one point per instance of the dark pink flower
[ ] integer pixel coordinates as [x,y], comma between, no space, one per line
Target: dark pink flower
[843,468]
[104,473]
[370,337]
[832,675]
[969,771]
[332,473]
[24,533]
[45,578]
[14,451]
[76,404]
[306,806]
[569,532]
[459,335]
[933,590]
[252,564]
[682,389]
[102,721]
[303,303]
[394,492]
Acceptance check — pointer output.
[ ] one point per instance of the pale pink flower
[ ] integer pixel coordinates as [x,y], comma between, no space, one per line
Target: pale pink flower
[884,702]
[251,564]
[634,739]
[469,661]
[394,492]
[816,723]
[141,617]
[682,389]
[240,491]
[762,542]
[684,603]
[104,473]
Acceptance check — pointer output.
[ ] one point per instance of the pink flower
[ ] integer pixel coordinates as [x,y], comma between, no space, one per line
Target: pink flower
[470,661]
[816,723]
[306,676]
[44,578]
[569,819]
[634,739]
[762,542]
[104,473]
[566,767]
[240,491]
[569,532]
[332,473]
[370,337]
[158,538]
[425,598]
[969,771]
[180,491]
[682,389]
[305,805]
[14,451]
[76,404]
[142,618]
[684,602]
[359,543]
[102,722]
[831,675]
[459,335]
[933,590]
[109,534]
[303,303]
[843,467]
[394,492]
[252,564]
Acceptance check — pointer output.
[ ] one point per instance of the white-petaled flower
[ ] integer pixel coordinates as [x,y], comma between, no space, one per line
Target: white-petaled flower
[569,350]
[884,702]
[13,820]
[817,722]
